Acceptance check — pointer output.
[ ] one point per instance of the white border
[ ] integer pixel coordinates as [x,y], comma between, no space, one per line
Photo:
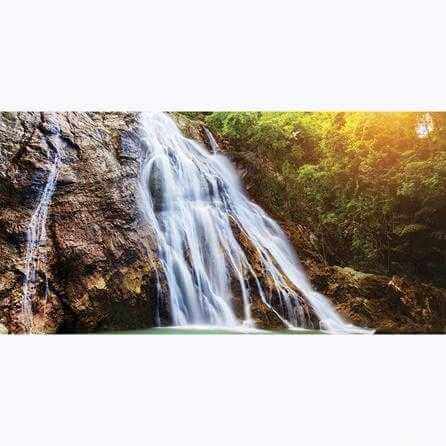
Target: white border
[232,54]
[223,390]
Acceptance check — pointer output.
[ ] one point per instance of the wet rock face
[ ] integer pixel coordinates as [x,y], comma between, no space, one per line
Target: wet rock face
[100,266]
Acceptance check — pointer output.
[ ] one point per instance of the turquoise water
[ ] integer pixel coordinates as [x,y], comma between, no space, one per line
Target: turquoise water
[201,330]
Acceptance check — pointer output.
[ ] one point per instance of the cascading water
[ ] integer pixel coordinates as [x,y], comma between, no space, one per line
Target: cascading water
[36,240]
[198,211]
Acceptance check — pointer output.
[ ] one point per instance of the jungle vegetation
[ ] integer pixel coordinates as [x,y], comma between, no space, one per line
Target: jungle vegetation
[371,186]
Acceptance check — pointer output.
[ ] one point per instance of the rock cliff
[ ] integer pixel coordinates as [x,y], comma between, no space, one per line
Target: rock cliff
[100,266]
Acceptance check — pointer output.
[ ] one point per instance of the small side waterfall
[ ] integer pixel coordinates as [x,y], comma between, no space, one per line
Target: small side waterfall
[198,211]
[36,240]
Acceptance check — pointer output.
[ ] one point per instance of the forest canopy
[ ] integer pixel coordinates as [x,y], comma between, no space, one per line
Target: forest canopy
[371,186]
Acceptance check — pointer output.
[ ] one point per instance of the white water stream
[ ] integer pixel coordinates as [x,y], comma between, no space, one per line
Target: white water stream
[36,241]
[198,211]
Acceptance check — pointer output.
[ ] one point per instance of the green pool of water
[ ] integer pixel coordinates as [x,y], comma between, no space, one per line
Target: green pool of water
[199,330]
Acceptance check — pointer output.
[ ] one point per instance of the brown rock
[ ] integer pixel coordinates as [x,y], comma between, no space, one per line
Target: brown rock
[99,255]
[389,305]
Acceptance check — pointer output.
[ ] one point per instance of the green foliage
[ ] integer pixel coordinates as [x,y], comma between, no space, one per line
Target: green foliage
[195,115]
[373,185]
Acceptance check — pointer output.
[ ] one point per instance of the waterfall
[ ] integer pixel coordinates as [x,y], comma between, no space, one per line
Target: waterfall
[36,240]
[199,213]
